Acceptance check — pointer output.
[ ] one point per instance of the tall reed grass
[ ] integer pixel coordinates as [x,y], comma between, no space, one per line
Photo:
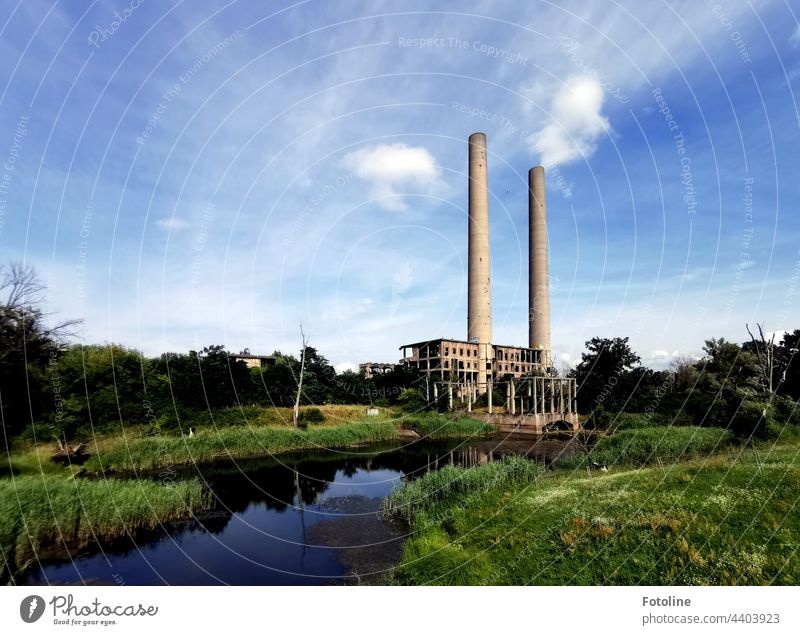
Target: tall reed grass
[642,446]
[149,453]
[453,482]
[39,513]
[432,425]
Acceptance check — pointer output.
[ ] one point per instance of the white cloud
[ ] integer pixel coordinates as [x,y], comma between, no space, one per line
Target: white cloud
[393,169]
[345,366]
[576,123]
[173,223]
[794,38]
[660,359]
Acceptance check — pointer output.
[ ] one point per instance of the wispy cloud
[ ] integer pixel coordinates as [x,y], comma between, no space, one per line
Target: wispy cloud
[393,170]
[172,223]
[794,38]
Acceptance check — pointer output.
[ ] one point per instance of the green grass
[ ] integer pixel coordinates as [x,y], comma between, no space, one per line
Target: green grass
[441,426]
[240,442]
[452,483]
[34,460]
[134,451]
[633,420]
[642,446]
[39,513]
[148,453]
[645,445]
[254,415]
[727,519]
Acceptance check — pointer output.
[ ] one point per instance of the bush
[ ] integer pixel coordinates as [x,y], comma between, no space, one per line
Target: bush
[645,445]
[785,410]
[753,419]
[311,415]
[412,400]
[635,420]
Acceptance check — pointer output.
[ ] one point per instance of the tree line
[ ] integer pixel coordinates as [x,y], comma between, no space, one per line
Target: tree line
[49,387]
[69,390]
[748,388]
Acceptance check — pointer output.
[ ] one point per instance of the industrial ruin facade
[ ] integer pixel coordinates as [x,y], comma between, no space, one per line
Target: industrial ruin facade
[465,369]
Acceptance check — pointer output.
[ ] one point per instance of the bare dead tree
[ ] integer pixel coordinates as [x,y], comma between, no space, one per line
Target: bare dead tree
[21,286]
[296,413]
[765,352]
[26,333]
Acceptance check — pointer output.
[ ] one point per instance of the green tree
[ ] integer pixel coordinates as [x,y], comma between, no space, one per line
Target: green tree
[276,384]
[319,379]
[787,356]
[728,391]
[602,371]
[205,379]
[104,388]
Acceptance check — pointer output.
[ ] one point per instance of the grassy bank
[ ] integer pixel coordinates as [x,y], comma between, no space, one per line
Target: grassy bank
[42,513]
[254,415]
[727,519]
[436,426]
[149,453]
[208,444]
[642,446]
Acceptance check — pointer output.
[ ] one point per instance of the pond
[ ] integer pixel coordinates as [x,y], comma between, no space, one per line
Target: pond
[307,519]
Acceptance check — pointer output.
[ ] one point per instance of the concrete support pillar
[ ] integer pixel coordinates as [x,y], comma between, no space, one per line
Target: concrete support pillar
[552,395]
[535,396]
[512,390]
[449,396]
[569,400]
[574,400]
[479,300]
[530,395]
[435,392]
[561,396]
[489,396]
[538,275]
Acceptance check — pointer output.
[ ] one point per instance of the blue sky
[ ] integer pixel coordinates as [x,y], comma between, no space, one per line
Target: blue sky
[184,174]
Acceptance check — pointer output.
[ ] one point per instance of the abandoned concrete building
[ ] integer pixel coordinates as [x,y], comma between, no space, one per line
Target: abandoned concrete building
[254,361]
[476,366]
[370,369]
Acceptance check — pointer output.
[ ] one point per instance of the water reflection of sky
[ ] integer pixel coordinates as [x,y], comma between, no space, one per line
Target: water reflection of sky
[369,483]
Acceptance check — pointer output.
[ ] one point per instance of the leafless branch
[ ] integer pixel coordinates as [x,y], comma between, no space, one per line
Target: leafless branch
[764,353]
[296,413]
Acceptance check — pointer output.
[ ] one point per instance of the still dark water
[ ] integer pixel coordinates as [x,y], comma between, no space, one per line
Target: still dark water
[297,520]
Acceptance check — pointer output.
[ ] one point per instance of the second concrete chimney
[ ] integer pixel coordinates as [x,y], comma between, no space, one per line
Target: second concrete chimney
[538,279]
[479,298]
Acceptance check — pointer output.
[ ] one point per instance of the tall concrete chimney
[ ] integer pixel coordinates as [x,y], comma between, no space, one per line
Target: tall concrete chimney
[479,298]
[538,282]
